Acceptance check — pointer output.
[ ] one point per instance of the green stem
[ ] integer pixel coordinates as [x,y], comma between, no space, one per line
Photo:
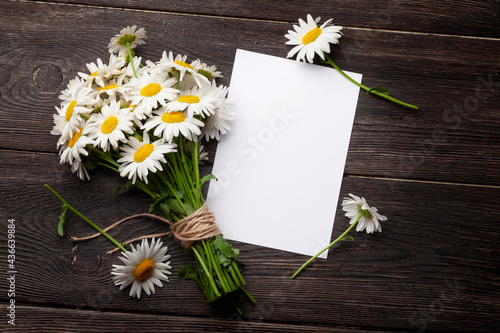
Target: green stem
[195,151]
[250,297]
[341,237]
[210,277]
[237,270]
[131,59]
[85,219]
[368,90]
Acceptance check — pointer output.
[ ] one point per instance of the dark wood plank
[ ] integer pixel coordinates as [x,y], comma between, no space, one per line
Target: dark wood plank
[455,87]
[434,266]
[33,319]
[463,17]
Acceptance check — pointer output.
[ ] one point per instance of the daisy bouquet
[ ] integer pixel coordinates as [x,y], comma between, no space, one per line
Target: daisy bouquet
[145,120]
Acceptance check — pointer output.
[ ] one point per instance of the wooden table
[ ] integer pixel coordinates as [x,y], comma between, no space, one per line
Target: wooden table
[433,172]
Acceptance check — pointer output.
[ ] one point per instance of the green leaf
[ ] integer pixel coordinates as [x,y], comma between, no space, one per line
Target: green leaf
[122,187]
[349,238]
[207,178]
[175,206]
[225,251]
[382,90]
[62,219]
[190,273]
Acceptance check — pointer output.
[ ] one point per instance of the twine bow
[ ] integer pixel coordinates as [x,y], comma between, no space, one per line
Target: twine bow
[195,227]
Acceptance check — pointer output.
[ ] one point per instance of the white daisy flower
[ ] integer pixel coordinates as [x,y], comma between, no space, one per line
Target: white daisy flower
[127,35]
[109,126]
[145,267]
[218,123]
[210,72]
[72,89]
[109,90]
[69,115]
[309,39]
[141,157]
[369,220]
[179,67]
[75,147]
[197,101]
[148,91]
[170,124]
[79,169]
[100,72]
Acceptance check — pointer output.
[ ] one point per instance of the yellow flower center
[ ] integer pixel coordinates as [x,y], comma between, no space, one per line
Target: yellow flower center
[150,90]
[94,74]
[75,138]
[183,64]
[173,117]
[144,269]
[109,125]
[142,153]
[107,87]
[311,36]
[189,99]
[69,110]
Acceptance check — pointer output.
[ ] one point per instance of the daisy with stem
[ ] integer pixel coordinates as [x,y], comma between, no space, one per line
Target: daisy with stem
[308,39]
[362,216]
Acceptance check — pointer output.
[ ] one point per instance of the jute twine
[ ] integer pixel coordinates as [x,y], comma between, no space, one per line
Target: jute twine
[195,227]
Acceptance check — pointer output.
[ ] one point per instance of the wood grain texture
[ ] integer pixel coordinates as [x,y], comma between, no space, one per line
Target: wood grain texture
[462,17]
[433,172]
[33,319]
[434,265]
[456,89]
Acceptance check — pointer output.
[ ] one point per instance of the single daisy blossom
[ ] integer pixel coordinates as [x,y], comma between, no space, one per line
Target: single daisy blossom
[69,115]
[138,158]
[110,125]
[129,36]
[76,146]
[145,267]
[197,101]
[210,72]
[150,90]
[309,39]
[362,216]
[179,67]
[356,207]
[170,124]
[218,122]
[72,89]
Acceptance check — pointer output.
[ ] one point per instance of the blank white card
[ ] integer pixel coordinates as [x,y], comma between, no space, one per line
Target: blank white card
[280,167]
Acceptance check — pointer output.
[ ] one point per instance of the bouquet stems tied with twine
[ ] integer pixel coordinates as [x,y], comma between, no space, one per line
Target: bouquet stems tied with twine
[145,122]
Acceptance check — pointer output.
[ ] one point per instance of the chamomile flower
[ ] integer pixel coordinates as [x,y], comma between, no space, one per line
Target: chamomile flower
[100,72]
[357,208]
[179,67]
[218,122]
[309,39]
[76,146]
[138,158]
[126,36]
[79,169]
[150,90]
[170,124]
[72,89]
[210,72]
[196,101]
[145,267]
[69,115]
[110,125]
[109,90]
